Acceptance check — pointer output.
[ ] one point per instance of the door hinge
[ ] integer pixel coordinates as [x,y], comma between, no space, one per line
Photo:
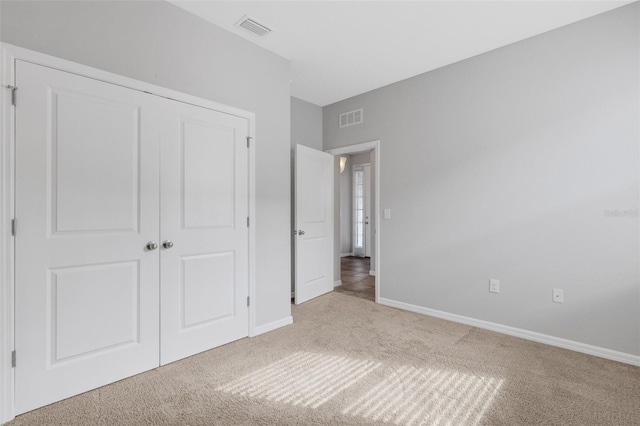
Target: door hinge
[248,301]
[13,359]
[247,221]
[14,94]
[248,140]
[13,227]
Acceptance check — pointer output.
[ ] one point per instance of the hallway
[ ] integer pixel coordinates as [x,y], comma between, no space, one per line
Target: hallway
[356,280]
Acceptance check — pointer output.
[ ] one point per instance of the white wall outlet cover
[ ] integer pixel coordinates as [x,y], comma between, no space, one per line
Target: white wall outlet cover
[387,213]
[494,285]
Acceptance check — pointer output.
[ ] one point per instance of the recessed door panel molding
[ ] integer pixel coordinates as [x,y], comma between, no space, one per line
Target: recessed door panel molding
[313,195]
[94,308]
[315,248]
[208,289]
[208,175]
[88,136]
[204,275]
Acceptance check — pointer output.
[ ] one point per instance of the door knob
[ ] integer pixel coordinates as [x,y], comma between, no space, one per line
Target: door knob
[300,232]
[151,245]
[167,244]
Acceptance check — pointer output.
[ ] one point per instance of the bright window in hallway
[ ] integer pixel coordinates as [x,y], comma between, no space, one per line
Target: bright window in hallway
[358,203]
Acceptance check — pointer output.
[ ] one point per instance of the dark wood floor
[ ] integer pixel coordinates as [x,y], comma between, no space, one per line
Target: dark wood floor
[356,280]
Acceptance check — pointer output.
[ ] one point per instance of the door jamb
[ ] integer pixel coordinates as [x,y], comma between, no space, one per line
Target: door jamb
[351,149]
[6,241]
[10,54]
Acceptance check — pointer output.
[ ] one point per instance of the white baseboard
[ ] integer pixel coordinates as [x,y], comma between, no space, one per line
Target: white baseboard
[372,273]
[346,254]
[261,329]
[337,283]
[518,332]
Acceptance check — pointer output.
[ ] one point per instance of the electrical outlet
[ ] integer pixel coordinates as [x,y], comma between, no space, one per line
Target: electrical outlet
[494,285]
[387,213]
[558,295]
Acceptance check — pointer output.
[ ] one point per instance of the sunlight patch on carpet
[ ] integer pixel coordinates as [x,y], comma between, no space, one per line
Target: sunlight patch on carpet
[412,396]
[304,378]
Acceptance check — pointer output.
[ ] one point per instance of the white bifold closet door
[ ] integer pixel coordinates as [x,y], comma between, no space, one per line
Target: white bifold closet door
[101,172]
[204,205]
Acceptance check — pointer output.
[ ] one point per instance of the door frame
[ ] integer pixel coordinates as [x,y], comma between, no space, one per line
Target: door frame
[352,149]
[9,55]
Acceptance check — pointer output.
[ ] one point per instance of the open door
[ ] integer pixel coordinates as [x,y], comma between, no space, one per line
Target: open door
[313,224]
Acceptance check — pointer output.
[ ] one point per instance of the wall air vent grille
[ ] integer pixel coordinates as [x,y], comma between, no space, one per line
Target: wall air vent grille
[352,117]
[250,24]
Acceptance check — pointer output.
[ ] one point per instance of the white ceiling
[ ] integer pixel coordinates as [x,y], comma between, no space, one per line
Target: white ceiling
[340,49]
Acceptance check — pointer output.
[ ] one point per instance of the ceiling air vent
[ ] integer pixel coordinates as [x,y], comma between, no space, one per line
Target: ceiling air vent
[250,24]
[350,118]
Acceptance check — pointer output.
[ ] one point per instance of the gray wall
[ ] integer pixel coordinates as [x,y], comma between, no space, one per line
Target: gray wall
[161,44]
[503,166]
[306,124]
[306,129]
[360,158]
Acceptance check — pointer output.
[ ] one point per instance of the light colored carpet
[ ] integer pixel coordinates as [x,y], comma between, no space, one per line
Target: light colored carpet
[349,361]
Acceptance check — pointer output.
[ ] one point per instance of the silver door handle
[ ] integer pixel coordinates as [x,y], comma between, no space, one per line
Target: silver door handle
[151,245]
[300,232]
[167,244]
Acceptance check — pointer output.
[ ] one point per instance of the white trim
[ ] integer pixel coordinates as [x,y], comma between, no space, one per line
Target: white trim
[7,411]
[354,149]
[518,332]
[337,283]
[261,329]
[252,226]
[366,146]
[11,53]
[346,254]
[372,273]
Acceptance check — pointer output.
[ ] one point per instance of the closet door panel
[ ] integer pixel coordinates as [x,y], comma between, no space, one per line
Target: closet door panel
[204,209]
[87,201]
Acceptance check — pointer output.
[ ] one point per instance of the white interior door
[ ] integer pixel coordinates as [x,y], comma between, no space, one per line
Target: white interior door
[314,223]
[87,199]
[204,248]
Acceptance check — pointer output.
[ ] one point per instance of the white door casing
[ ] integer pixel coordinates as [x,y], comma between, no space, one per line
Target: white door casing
[374,145]
[313,223]
[204,210]
[87,201]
